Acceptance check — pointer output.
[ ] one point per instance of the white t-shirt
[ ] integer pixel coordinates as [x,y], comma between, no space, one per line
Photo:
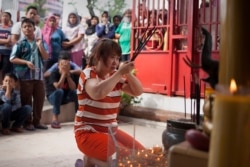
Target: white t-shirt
[17,30]
[91,40]
[71,33]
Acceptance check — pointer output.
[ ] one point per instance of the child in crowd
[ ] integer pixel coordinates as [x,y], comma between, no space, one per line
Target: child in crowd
[27,57]
[61,87]
[10,106]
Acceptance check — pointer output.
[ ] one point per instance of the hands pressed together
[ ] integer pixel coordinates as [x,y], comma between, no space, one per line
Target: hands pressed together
[126,67]
[64,68]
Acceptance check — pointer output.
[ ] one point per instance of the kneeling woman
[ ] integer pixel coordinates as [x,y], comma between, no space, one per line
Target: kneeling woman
[99,95]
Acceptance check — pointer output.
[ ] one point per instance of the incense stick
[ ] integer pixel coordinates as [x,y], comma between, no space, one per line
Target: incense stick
[140,41]
[141,46]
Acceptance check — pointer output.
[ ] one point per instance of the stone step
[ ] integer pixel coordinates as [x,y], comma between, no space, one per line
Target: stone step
[67,113]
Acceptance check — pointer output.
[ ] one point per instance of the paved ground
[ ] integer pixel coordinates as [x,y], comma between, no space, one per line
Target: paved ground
[51,148]
[57,148]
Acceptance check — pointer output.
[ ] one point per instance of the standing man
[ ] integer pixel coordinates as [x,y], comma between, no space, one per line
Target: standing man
[17,34]
[5,43]
[27,57]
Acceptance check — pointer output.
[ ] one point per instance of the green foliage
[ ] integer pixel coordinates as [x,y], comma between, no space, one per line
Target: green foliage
[39,4]
[90,6]
[114,7]
[130,100]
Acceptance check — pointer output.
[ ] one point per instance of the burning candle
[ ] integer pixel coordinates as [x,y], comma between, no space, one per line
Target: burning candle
[157,149]
[120,165]
[233,87]
[230,139]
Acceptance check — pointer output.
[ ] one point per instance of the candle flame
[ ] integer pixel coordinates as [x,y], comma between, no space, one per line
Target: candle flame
[233,86]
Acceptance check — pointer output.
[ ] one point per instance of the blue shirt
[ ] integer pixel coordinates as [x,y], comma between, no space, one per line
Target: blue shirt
[105,31]
[56,43]
[28,51]
[14,101]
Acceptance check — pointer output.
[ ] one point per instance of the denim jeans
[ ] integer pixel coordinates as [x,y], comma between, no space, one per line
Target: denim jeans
[19,116]
[59,97]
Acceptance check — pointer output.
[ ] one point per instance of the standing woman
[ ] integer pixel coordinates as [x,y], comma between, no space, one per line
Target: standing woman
[54,37]
[99,95]
[90,35]
[123,34]
[74,32]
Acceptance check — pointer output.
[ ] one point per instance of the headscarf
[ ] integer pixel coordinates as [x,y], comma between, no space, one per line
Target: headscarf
[47,31]
[77,20]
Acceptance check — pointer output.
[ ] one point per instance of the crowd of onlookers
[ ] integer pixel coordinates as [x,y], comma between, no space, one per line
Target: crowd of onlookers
[39,62]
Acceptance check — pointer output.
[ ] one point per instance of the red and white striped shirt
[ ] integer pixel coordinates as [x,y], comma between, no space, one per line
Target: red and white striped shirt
[96,115]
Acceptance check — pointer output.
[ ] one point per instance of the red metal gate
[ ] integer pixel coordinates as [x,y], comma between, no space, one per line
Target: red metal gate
[160,65]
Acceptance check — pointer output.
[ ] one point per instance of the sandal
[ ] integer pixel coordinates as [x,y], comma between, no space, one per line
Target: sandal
[55,125]
[41,126]
[79,163]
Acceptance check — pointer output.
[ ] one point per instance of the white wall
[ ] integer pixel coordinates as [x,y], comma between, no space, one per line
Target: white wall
[163,102]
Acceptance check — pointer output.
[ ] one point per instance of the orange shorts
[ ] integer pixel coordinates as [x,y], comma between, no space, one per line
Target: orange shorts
[101,146]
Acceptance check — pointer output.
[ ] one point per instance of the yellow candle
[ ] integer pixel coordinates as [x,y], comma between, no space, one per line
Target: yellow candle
[234,47]
[230,140]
